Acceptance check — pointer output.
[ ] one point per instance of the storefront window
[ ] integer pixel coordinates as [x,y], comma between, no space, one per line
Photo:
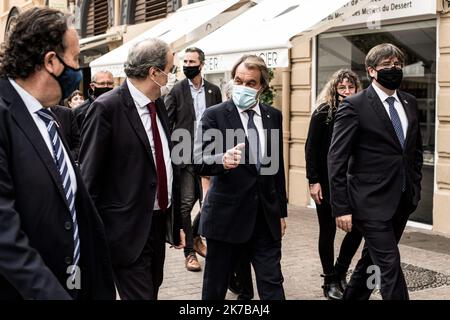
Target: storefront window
[347,49]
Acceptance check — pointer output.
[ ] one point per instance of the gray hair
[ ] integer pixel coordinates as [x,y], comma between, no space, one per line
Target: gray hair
[254,62]
[94,76]
[144,55]
[228,89]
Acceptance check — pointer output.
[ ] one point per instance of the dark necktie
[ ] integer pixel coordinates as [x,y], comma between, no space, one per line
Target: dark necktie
[61,166]
[396,121]
[253,139]
[162,196]
[397,124]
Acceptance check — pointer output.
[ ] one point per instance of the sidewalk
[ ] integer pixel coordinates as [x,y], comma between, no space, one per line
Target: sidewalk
[425,257]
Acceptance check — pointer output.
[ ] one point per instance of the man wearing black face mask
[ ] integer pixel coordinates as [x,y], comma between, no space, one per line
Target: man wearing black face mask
[186,103]
[52,241]
[375,163]
[102,82]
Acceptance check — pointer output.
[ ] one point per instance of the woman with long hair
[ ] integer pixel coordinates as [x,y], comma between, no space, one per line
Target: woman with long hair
[342,83]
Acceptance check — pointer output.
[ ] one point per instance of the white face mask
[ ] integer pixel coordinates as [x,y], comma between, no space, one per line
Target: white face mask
[244,97]
[171,80]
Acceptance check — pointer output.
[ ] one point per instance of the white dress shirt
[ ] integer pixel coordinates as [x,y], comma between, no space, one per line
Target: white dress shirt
[198,99]
[397,105]
[33,106]
[141,101]
[257,119]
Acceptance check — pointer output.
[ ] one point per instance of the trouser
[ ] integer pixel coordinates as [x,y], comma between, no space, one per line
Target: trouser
[141,280]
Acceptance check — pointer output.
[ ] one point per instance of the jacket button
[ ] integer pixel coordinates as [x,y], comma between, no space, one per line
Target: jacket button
[68,225]
[68,260]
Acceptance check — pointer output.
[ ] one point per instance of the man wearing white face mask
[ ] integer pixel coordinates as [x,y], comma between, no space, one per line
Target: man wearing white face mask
[186,103]
[246,204]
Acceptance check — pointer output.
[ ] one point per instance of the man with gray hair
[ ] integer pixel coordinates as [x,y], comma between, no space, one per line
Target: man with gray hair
[125,161]
[102,81]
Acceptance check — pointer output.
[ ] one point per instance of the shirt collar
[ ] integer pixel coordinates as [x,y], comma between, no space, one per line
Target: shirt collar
[32,104]
[191,84]
[256,108]
[383,95]
[140,99]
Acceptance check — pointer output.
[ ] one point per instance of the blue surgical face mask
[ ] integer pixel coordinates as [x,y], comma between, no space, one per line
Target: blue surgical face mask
[69,79]
[244,97]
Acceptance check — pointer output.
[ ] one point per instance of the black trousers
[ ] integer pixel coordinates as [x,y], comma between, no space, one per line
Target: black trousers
[241,277]
[189,195]
[141,280]
[265,255]
[380,253]
[327,234]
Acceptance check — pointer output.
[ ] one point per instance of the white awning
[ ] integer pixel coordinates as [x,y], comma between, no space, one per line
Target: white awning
[185,26]
[266,30]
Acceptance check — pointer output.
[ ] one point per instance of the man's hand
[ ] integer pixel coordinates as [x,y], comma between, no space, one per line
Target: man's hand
[182,240]
[344,222]
[315,190]
[283,227]
[232,157]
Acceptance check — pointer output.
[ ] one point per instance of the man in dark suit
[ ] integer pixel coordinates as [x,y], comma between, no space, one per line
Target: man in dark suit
[186,103]
[125,161]
[102,82]
[246,203]
[375,163]
[69,128]
[52,241]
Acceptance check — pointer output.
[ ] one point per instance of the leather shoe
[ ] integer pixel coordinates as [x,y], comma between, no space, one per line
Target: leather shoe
[192,263]
[199,246]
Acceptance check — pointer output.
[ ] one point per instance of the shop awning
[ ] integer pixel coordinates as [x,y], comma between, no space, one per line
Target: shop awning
[267,28]
[185,26]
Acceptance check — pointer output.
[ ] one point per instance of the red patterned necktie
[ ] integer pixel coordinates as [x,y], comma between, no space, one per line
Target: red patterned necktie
[160,164]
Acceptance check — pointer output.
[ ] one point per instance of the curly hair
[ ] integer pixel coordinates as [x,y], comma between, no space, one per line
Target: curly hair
[327,97]
[36,32]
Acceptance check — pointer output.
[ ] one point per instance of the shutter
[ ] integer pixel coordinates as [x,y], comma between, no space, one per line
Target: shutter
[147,10]
[97,18]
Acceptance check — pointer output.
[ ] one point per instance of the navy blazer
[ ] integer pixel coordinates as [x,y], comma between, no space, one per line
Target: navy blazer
[36,236]
[235,196]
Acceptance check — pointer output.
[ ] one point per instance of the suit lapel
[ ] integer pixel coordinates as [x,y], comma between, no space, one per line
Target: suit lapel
[189,102]
[208,94]
[29,128]
[135,120]
[378,106]
[409,114]
[267,126]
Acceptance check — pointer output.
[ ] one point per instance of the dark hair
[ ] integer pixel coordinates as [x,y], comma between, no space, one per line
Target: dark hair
[73,94]
[36,32]
[201,54]
[381,52]
[254,62]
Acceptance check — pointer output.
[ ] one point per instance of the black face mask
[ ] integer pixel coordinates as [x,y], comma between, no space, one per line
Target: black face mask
[390,78]
[191,72]
[98,91]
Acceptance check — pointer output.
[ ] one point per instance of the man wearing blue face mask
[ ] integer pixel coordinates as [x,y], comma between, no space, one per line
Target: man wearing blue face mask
[52,241]
[246,204]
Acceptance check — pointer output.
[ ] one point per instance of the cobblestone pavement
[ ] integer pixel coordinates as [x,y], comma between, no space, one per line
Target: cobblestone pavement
[425,256]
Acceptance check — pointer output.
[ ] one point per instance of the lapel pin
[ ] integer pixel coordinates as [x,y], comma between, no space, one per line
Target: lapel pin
[268,116]
[209,91]
[406,102]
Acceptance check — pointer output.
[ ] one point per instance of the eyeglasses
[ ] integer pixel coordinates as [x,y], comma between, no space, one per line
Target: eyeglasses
[344,88]
[104,83]
[389,64]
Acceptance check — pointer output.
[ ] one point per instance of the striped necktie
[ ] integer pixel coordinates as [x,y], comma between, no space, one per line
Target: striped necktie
[61,165]
[253,139]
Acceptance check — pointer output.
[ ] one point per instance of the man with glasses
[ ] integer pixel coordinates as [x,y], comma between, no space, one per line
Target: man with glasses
[186,103]
[126,163]
[102,82]
[375,163]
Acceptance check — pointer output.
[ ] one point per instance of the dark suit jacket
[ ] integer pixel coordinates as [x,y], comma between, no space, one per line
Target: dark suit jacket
[367,164]
[79,113]
[36,237]
[69,128]
[180,105]
[117,165]
[235,196]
